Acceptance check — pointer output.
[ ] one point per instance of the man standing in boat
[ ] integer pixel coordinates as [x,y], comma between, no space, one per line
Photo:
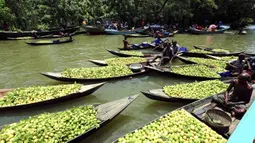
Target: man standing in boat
[237,100]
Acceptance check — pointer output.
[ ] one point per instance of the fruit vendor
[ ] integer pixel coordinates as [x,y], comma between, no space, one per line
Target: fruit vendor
[237,100]
[126,43]
[166,55]
[175,47]
[236,67]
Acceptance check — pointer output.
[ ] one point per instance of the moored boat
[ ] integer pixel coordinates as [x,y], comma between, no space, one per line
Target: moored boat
[95,30]
[127,59]
[132,54]
[200,107]
[49,42]
[221,53]
[104,113]
[83,91]
[14,34]
[197,110]
[123,32]
[60,77]
[189,91]
[168,72]
[196,31]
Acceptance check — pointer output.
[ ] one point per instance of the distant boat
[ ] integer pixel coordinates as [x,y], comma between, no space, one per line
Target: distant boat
[95,30]
[196,31]
[123,32]
[14,34]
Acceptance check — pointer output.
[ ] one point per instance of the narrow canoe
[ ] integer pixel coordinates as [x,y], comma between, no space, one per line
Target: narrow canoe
[105,113]
[84,91]
[49,43]
[198,109]
[222,54]
[136,36]
[103,63]
[196,31]
[117,53]
[95,30]
[140,47]
[14,34]
[59,77]
[190,54]
[166,71]
[160,95]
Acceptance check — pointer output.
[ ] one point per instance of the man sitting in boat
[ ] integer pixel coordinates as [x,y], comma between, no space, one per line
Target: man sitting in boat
[236,67]
[166,55]
[175,47]
[127,44]
[237,100]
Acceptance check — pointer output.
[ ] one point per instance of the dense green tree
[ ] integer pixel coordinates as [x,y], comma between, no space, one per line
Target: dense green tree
[44,14]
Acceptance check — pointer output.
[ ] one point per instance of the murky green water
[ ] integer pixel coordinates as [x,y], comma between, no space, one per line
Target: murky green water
[21,65]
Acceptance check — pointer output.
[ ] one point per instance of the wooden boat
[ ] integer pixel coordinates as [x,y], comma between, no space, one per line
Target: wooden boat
[191,54]
[145,36]
[196,31]
[123,32]
[14,34]
[198,109]
[166,71]
[117,53]
[150,46]
[222,54]
[136,36]
[95,30]
[84,91]
[53,42]
[160,95]
[105,113]
[59,77]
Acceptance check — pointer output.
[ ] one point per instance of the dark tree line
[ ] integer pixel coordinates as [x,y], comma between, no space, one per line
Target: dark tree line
[45,14]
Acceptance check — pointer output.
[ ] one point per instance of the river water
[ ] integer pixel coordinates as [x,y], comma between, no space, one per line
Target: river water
[21,65]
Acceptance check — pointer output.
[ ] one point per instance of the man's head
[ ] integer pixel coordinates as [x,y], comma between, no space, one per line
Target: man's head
[174,43]
[241,57]
[244,77]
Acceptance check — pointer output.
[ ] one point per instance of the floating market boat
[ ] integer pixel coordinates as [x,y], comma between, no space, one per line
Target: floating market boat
[221,54]
[104,63]
[104,113]
[196,31]
[49,42]
[200,107]
[136,36]
[145,36]
[123,32]
[198,110]
[195,54]
[58,76]
[14,34]
[95,30]
[84,91]
[140,47]
[161,95]
[167,71]
[132,54]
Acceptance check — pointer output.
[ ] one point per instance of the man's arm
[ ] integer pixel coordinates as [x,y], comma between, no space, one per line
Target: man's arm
[228,90]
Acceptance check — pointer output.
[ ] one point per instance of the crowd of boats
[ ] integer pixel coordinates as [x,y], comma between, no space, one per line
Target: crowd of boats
[199,108]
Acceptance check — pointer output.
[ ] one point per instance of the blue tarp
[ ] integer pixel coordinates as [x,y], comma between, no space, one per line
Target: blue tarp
[245,130]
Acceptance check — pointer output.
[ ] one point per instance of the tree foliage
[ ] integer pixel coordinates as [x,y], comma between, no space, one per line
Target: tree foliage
[44,14]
